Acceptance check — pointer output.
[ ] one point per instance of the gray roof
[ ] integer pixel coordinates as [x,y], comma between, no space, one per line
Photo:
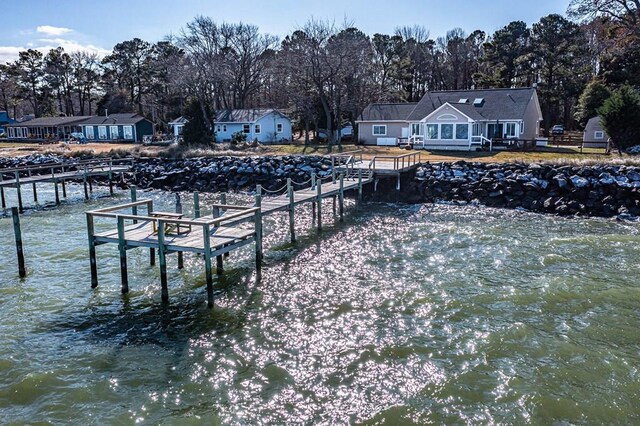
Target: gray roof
[387,112]
[243,115]
[114,119]
[179,120]
[51,121]
[498,104]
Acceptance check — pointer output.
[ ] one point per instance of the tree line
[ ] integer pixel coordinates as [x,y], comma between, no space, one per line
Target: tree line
[325,75]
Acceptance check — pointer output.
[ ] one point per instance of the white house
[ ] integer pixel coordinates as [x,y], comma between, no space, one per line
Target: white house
[263,125]
[178,126]
[456,119]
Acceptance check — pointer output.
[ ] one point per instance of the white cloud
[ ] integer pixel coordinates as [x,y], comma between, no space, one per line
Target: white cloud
[53,31]
[44,45]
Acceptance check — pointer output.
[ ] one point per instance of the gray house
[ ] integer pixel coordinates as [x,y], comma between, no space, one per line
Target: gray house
[43,128]
[263,125]
[117,127]
[594,135]
[455,119]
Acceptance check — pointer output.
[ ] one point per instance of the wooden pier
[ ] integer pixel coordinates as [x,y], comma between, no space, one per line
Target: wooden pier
[59,174]
[216,235]
[380,166]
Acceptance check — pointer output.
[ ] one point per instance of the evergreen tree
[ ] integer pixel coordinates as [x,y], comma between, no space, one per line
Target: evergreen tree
[197,131]
[590,100]
[620,117]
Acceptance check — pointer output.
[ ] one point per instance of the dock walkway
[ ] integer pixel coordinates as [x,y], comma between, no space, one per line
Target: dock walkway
[212,236]
[59,174]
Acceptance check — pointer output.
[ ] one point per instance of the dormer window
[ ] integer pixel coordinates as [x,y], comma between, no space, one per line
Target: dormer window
[478,102]
[463,100]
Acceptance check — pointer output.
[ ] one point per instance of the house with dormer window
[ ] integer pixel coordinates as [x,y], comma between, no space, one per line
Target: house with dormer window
[454,119]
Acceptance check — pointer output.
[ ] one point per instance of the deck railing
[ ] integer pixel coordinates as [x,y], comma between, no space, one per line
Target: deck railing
[400,162]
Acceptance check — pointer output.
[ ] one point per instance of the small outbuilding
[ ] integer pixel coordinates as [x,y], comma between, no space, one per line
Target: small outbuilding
[178,126]
[117,127]
[263,125]
[594,135]
[4,121]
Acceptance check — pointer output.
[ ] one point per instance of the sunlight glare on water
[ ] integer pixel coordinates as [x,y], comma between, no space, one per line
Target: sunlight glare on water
[423,314]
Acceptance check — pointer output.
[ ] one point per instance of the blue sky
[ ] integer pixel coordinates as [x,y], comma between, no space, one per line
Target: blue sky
[99,24]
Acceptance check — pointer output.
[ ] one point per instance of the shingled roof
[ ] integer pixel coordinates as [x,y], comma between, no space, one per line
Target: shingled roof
[242,115]
[387,112]
[114,119]
[51,121]
[497,104]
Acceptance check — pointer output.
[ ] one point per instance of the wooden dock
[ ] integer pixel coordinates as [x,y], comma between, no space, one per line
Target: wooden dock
[380,166]
[213,236]
[59,174]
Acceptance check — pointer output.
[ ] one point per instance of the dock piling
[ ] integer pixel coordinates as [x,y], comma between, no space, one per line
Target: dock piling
[180,254]
[163,262]
[207,264]
[341,198]
[258,230]
[22,271]
[19,192]
[122,249]
[196,204]
[319,202]
[92,251]
[134,198]
[292,224]
[55,187]
[84,181]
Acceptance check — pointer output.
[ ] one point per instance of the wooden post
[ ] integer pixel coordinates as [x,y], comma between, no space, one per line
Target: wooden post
[19,192]
[122,248]
[152,251]
[223,200]
[84,181]
[207,264]
[90,181]
[4,201]
[196,204]
[35,192]
[215,212]
[22,271]
[333,199]
[292,225]
[341,198]
[111,177]
[55,186]
[258,229]
[163,261]
[180,254]
[359,184]
[134,198]
[64,189]
[92,251]
[319,202]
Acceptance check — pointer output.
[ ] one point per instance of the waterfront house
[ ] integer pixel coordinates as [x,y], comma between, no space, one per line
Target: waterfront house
[263,125]
[594,135]
[4,121]
[454,119]
[117,127]
[45,128]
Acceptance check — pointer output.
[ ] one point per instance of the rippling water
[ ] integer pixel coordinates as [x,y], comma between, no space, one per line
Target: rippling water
[423,314]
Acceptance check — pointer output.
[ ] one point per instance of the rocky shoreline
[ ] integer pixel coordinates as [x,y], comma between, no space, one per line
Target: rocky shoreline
[598,190]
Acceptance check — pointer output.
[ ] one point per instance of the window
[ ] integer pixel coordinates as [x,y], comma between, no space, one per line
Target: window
[88,132]
[218,128]
[598,135]
[446,131]
[379,130]
[432,131]
[462,131]
[478,102]
[476,129]
[127,132]
[224,128]
[114,132]
[279,128]
[415,128]
[246,128]
[102,132]
[256,129]
[510,130]
[521,127]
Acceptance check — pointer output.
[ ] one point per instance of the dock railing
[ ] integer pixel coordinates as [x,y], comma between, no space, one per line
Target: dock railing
[347,160]
[400,162]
